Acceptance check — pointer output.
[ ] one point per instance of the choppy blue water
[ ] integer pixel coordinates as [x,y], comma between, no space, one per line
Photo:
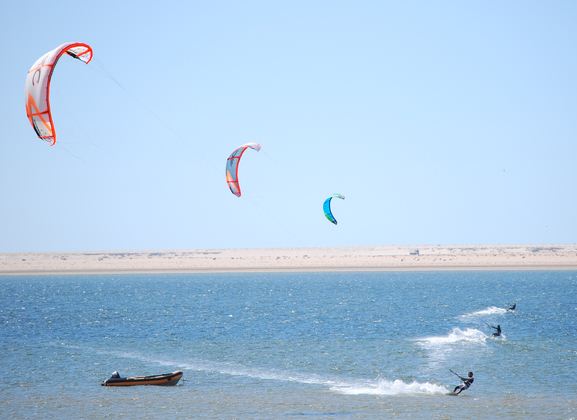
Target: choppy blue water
[351,345]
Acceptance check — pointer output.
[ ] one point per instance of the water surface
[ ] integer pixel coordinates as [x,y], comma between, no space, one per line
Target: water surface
[274,345]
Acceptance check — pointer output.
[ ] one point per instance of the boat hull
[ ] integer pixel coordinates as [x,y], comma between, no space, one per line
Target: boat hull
[167,379]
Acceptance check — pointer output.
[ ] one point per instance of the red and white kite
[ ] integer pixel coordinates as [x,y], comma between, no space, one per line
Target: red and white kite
[38,87]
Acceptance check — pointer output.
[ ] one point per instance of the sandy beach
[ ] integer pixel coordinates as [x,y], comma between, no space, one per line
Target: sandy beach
[502,257]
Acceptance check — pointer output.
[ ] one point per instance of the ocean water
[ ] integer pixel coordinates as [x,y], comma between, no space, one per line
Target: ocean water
[290,345]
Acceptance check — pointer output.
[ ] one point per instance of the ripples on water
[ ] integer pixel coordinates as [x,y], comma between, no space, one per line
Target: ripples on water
[269,345]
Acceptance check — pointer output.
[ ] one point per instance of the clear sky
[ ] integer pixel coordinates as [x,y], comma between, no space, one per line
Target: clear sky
[442,122]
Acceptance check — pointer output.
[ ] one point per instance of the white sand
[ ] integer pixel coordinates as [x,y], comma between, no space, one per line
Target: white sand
[488,257]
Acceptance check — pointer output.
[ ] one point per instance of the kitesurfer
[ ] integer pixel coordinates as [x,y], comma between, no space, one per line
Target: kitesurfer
[512,307]
[497,329]
[467,382]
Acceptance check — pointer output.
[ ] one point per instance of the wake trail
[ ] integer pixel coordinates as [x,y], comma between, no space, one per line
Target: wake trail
[456,335]
[490,311]
[383,386]
[379,386]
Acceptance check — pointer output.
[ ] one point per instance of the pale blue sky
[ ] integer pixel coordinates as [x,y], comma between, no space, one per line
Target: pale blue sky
[441,122]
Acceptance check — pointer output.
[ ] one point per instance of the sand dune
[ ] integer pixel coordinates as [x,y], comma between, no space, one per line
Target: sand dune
[516,257]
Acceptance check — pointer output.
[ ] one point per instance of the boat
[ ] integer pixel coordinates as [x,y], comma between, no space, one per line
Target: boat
[166,379]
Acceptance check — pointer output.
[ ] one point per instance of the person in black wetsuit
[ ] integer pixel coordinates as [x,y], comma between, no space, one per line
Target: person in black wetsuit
[467,382]
[512,307]
[498,330]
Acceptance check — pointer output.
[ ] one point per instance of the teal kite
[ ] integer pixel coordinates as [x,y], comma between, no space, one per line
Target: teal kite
[327,207]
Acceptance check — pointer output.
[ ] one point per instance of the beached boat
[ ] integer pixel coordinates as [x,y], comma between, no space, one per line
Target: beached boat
[165,379]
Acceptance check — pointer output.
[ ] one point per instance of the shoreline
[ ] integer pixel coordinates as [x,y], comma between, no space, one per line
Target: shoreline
[257,270]
[379,258]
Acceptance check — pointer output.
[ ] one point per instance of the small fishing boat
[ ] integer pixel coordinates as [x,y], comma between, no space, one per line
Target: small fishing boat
[165,379]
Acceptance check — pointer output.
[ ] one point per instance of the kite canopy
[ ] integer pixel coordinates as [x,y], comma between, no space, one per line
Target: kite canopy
[232,166]
[38,87]
[327,207]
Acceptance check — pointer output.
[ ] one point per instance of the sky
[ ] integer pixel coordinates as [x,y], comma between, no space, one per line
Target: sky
[443,122]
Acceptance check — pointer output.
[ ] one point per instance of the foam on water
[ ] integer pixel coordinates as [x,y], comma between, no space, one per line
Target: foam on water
[457,335]
[387,387]
[490,311]
[379,386]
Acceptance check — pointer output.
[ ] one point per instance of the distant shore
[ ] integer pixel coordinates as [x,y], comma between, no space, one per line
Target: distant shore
[379,258]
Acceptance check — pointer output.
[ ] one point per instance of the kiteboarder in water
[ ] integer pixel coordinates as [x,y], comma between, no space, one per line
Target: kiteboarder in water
[498,330]
[512,307]
[467,382]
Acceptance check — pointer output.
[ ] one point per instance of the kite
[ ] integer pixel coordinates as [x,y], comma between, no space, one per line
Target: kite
[38,87]
[232,166]
[327,207]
